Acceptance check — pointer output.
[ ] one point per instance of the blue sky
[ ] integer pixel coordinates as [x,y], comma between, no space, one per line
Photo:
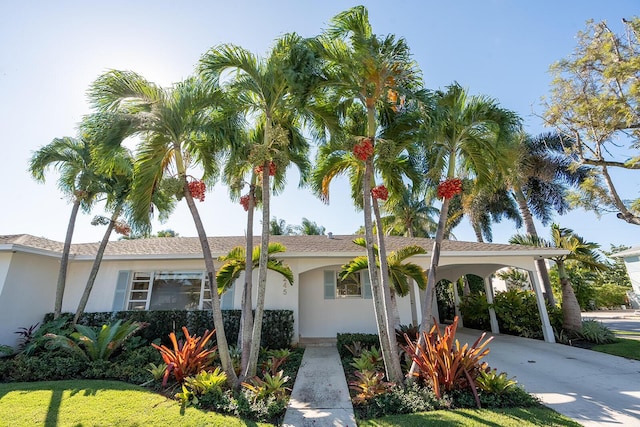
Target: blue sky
[52,50]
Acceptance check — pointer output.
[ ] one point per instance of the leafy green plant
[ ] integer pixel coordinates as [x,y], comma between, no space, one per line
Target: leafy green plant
[206,382]
[369,360]
[186,358]
[187,397]
[355,348]
[270,385]
[596,332]
[475,311]
[492,382]
[367,385]
[444,364]
[6,350]
[157,371]
[95,345]
[275,359]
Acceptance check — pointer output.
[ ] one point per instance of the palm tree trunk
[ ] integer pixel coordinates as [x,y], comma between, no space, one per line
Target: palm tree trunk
[571,315]
[96,266]
[395,367]
[246,316]
[531,230]
[64,260]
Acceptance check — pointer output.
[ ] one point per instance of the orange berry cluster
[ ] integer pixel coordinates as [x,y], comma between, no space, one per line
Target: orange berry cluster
[122,228]
[272,169]
[244,201]
[449,188]
[380,192]
[364,149]
[197,189]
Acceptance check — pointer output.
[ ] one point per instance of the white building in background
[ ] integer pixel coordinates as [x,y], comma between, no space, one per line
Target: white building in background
[631,259]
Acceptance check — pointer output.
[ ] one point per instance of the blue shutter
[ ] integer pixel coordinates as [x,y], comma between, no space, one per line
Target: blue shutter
[227,298]
[329,284]
[120,295]
[366,285]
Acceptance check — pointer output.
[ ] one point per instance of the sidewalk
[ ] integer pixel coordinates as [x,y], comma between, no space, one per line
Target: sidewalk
[612,314]
[320,396]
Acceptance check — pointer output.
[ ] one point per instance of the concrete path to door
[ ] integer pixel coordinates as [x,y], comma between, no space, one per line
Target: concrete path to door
[595,389]
[320,396]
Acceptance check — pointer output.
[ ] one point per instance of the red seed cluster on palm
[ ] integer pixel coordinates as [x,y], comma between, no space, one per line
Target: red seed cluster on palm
[122,228]
[197,189]
[449,188]
[272,169]
[380,192]
[244,201]
[364,149]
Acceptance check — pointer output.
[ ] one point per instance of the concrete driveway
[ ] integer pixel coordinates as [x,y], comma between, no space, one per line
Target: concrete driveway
[595,389]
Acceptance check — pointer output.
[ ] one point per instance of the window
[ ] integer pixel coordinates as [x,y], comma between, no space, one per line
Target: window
[172,290]
[357,286]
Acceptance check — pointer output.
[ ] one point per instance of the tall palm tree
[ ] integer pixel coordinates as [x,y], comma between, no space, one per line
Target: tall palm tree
[581,252]
[180,127]
[399,272]
[235,263]
[539,180]
[265,90]
[78,180]
[279,227]
[465,139]
[408,214]
[310,228]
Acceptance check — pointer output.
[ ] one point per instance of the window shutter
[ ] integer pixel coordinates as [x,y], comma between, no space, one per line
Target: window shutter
[120,295]
[227,298]
[366,285]
[329,284]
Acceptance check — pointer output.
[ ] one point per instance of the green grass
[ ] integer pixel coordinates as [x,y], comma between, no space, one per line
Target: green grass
[98,403]
[624,347]
[476,417]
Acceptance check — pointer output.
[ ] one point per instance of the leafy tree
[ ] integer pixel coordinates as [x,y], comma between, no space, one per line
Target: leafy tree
[581,252]
[78,180]
[267,90]
[310,228]
[409,214]
[594,101]
[279,227]
[180,127]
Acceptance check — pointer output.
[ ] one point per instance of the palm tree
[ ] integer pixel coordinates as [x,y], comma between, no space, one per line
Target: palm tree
[279,227]
[408,214]
[539,180]
[466,138]
[373,72]
[266,91]
[581,252]
[399,272]
[180,126]
[235,263]
[310,228]
[78,180]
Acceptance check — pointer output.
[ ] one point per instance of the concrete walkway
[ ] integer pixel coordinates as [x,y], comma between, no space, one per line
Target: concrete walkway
[320,396]
[595,389]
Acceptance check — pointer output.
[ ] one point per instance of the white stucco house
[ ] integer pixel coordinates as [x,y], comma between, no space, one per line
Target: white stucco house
[168,273]
[631,259]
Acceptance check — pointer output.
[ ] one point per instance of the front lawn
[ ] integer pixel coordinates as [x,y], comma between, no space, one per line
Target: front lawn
[106,403]
[622,347]
[512,417]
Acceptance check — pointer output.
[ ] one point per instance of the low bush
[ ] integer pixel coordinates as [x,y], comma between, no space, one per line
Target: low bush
[596,332]
[365,340]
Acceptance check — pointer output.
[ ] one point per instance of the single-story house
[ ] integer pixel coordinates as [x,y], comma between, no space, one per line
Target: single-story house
[168,273]
[631,259]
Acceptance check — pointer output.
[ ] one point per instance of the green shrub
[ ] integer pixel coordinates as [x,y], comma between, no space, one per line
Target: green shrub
[610,295]
[596,332]
[475,311]
[400,400]
[366,341]
[513,397]
[517,313]
[44,367]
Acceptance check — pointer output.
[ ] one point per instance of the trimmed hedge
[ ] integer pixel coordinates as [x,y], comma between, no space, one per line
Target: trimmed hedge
[277,325]
[367,340]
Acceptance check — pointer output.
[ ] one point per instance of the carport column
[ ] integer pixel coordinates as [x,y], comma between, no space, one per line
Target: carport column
[456,304]
[547,330]
[488,288]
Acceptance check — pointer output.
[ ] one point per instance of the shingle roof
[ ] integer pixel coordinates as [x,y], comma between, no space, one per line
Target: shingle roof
[296,245]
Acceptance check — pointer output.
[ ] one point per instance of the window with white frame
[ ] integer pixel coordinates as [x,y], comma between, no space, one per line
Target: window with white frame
[173,290]
[354,286]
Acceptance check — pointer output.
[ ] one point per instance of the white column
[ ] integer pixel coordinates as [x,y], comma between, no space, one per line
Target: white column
[493,320]
[456,304]
[547,330]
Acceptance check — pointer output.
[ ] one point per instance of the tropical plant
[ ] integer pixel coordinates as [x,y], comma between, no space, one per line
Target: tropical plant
[367,385]
[310,228]
[157,371]
[186,358]
[368,360]
[267,91]
[275,359]
[95,345]
[493,382]
[581,252]
[78,180]
[596,332]
[408,214]
[443,364]
[270,385]
[468,137]
[181,127]
[206,382]
[279,227]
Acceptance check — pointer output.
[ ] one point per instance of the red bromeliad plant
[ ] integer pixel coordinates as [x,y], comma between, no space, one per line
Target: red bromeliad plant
[364,149]
[380,192]
[444,364]
[368,384]
[197,189]
[186,358]
[449,188]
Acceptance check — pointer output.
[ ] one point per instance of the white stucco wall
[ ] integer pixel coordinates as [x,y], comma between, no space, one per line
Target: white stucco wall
[28,292]
[633,268]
